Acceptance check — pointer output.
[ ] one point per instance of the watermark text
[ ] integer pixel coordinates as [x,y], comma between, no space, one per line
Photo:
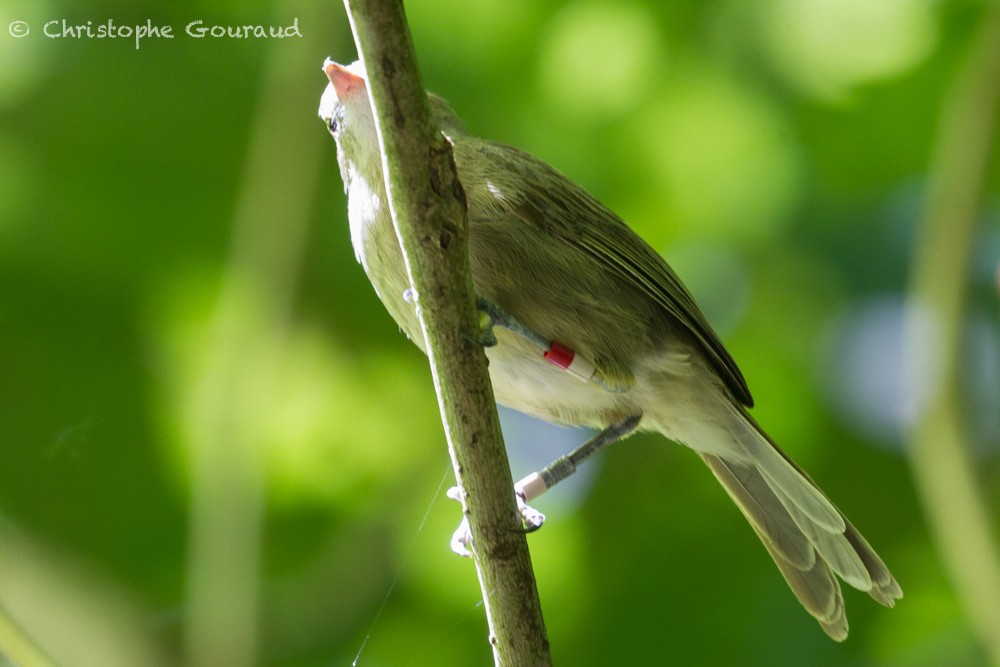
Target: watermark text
[110,29]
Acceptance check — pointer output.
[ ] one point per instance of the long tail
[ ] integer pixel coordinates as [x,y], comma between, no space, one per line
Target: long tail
[807,536]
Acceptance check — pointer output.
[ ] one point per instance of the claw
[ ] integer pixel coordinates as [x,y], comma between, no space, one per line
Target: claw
[486,337]
[532,518]
[461,539]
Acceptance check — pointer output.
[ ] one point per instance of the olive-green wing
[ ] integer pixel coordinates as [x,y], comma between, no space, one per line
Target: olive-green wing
[583,222]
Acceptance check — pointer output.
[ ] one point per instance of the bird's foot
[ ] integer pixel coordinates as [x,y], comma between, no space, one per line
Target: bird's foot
[461,539]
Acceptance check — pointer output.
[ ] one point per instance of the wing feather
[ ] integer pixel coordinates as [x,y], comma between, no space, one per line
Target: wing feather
[584,223]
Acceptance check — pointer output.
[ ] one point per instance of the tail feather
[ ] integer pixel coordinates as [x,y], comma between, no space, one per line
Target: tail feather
[806,535]
[764,511]
[809,577]
[839,554]
[885,590]
[784,478]
[819,592]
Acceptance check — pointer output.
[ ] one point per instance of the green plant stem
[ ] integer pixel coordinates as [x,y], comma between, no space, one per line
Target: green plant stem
[429,211]
[939,452]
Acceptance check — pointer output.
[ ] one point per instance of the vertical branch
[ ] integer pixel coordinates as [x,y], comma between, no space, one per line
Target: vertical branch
[429,211]
[958,517]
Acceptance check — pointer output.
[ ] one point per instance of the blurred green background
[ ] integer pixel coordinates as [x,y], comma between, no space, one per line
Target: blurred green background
[216,448]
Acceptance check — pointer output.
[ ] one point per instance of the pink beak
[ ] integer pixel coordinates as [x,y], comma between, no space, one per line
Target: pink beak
[344,81]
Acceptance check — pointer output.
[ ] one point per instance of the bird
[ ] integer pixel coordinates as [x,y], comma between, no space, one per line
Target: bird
[593,328]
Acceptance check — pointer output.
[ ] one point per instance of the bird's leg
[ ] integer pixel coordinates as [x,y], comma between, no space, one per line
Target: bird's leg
[489,315]
[494,316]
[537,483]
[552,351]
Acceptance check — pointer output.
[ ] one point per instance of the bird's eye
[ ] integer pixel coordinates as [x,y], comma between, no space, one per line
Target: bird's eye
[331,123]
